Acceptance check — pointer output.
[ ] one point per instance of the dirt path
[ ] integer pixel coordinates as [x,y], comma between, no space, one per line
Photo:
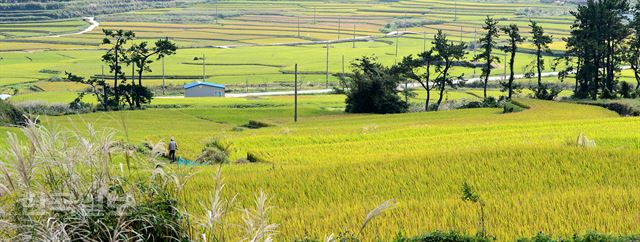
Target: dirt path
[93,24]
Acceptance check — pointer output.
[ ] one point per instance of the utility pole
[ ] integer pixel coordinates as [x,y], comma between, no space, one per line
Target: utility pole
[298,26]
[327,73]
[133,74]
[203,69]
[164,87]
[424,41]
[105,98]
[475,47]
[397,40]
[342,66]
[505,67]
[295,84]
[315,11]
[339,26]
[246,85]
[354,36]
[460,34]
[455,11]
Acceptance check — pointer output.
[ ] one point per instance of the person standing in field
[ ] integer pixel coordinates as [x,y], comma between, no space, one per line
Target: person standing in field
[173,146]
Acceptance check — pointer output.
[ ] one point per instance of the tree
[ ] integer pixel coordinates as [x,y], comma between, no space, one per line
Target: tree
[512,47]
[141,58]
[372,88]
[419,70]
[488,43]
[541,43]
[114,57]
[96,87]
[468,195]
[447,53]
[631,54]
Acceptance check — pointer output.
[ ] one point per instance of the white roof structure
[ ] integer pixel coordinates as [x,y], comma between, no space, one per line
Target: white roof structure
[4,96]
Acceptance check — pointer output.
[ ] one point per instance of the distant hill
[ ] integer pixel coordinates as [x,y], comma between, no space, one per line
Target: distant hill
[39,10]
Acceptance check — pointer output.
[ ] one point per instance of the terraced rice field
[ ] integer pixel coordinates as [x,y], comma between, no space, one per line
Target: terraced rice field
[255,28]
[325,172]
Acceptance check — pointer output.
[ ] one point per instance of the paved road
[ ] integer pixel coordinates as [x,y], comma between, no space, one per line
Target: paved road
[93,24]
[258,94]
[411,86]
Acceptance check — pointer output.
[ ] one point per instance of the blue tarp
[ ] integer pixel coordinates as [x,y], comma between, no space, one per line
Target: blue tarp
[185,162]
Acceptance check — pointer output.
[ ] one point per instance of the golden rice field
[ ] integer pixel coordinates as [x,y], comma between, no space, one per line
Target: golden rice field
[327,171]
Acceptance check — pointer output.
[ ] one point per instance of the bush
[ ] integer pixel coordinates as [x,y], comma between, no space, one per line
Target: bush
[490,102]
[588,237]
[625,90]
[510,107]
[547,92]
[253,124]
[10,115]
[473,104]
[622,109]
[444,237]
[55,109]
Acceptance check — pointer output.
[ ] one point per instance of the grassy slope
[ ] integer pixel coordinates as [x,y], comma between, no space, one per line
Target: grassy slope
[327,171]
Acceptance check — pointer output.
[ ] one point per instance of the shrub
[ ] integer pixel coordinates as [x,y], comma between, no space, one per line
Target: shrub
[10,115]
[547,92]
[511,107]
[622,109]
[253,124]
[625,90]
[490,102]
[55,109]
[444,236]
[588,237]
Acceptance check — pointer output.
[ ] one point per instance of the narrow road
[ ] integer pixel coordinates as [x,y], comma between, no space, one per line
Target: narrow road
[92,25]
[410,86]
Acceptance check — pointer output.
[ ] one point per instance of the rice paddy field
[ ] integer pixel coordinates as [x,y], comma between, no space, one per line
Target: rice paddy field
[248,44]
[327,171]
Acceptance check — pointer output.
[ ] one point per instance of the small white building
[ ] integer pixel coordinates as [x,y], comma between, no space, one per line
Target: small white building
[4,96]
[204,89]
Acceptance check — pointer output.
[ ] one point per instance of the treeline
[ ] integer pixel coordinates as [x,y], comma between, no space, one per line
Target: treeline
[40,10]
[605,36]
[373,88]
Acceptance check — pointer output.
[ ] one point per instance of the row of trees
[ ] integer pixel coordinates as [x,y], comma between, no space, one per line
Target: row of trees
[605,35]
[120,53]
[374,88]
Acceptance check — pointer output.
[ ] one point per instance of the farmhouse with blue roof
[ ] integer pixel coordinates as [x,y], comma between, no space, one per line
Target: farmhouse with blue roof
[203,89]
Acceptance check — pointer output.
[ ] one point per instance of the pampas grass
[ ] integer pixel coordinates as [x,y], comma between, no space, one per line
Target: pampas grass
[386,205]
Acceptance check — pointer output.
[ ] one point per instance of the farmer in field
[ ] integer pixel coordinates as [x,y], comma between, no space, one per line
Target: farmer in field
[173,146]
